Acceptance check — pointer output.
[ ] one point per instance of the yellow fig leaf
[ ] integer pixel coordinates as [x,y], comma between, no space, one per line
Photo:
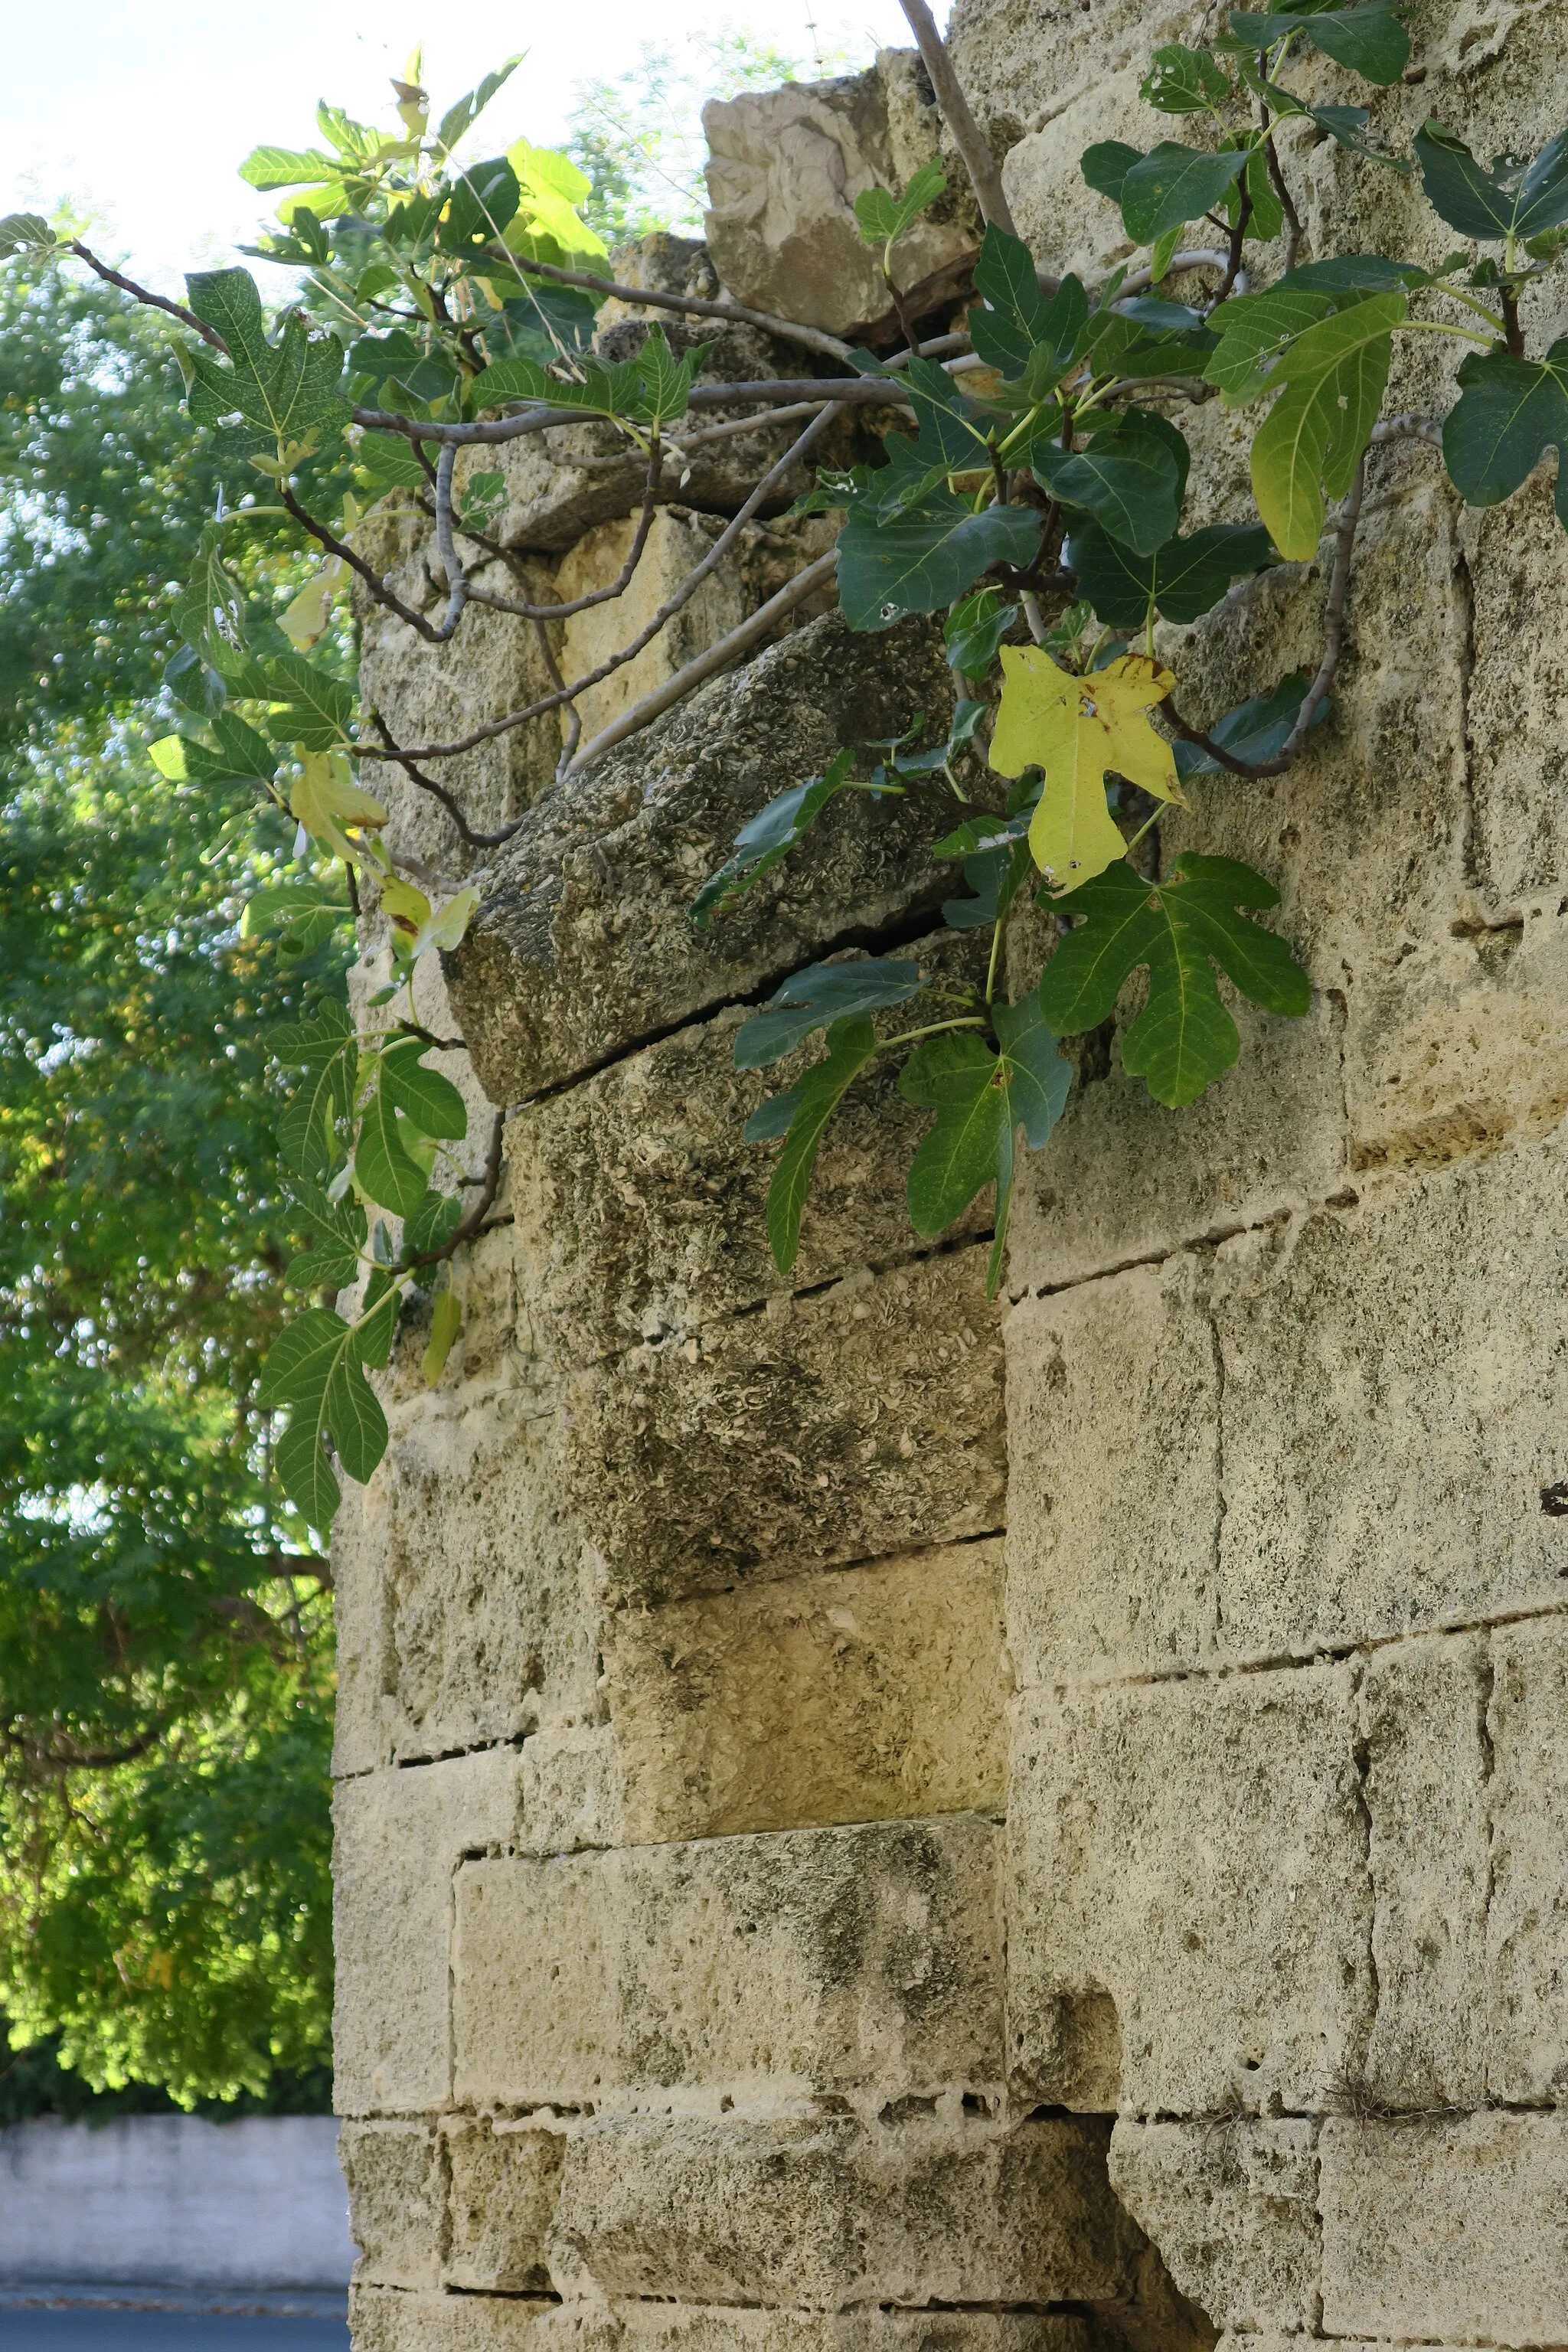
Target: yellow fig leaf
[1076,730]
[407,909]
[306,618]
[446,1322]
[325,799]
[447,929]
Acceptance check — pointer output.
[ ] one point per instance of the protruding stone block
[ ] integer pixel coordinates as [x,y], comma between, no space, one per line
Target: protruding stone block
[863,1421]
[1187,1915]
[1447,2231]
[785,168]
[584,948]
[862,1960]
[505,2184]
[826,2213]
[854,1696]
[382,2320]
[1233,2208]
[399,1836]
[396,2201]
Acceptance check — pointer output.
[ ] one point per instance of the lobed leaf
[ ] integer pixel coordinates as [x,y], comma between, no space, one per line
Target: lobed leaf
[925,557]
[1369,41]
[1182,579]
[1509,412]
[1333,378]
[822,993]
[1130,479]
[1174,184]
[430,1100]
[1511,200]
[802,1115]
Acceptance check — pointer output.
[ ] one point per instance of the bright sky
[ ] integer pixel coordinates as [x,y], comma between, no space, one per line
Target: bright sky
[142,108]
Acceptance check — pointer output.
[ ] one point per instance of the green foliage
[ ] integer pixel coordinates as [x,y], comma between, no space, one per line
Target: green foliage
[1508,413]
[1513,202]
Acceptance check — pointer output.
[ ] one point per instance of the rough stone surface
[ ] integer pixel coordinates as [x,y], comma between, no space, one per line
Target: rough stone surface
[1233,2208]
[826,2213]
[385,2322]
[399,1836]
[859,1694]
[1187,1911]
[396,2201]
[1527,1917]
[863,1421]
[1452,2232]
[1424,1723]
[1330,1428]
[785,167]
[505,2185]
[583,947]
[863,1959]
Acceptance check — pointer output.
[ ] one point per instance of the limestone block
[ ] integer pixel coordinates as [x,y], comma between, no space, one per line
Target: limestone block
[439,694]
[865,1420]
[1187,1912]
[1269,1136]
[1454,2231]
[1518,561]
[824,2213]
[584,948]
[572,1790]
[1334,1428]
[1233,2209]
[359,1738]
[385,2322]
[396,2201]
[785,168]
[1424,1718]
[490,1629]
[1393,1406]
[1026,59]
[399,1836]
[640,1210]
[679,540]
[1451,982]
[1113,1406]
[1527,1918]
[506,2181]
[861,1958]
[382,2320]
[1064,222]
[867,1693]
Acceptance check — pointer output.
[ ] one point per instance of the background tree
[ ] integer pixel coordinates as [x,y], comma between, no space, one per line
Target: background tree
[164,1626]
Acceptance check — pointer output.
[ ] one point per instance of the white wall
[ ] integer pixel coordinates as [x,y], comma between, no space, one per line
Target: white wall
[173,2201]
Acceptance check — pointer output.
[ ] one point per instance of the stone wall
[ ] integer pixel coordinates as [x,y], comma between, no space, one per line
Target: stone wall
[779,1908]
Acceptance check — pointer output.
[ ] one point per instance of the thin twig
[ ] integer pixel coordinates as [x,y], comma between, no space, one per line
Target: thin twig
[152,301]
[372,578]
[978,160]
[617,586]
[489,1184]
[666,612]
[426,783]
[717,656]
[813,338]
[446,546]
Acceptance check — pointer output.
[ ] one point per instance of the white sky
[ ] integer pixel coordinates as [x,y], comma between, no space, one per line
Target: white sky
[142,108]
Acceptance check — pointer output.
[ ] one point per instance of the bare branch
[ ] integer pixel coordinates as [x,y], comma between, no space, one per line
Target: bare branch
[617,586]
[666,612]
[717,656]
[152,301]
[978,160]
[447,799]
[446,546]
[372,578]
[813,338]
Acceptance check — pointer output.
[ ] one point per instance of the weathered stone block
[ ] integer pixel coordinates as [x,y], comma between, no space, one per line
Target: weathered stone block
[1424,1724]
[1316,1434]
[506,2181]
[1394,1405]
[399,1836]
[679,540]
[1526,2010]
[826,2213]
[1024,60]
[850,1696]
[1187,1911]
[396,2201]
[785,168]
[829,1960]
[360,1735]
[1112,1391]
[382,2320]
[866,1420]
[1270,1137]
[1233,2209]
[489,1630]
[583,949]
[641,1210]
[1455,2232]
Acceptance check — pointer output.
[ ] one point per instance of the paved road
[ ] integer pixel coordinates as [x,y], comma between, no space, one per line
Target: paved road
[164,2331]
